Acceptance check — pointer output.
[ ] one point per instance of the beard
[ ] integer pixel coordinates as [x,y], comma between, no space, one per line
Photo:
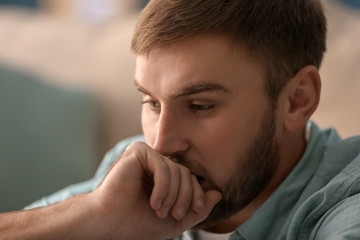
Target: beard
[252,176]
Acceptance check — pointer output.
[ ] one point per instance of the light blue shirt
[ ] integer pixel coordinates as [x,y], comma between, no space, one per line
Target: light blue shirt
[318,200]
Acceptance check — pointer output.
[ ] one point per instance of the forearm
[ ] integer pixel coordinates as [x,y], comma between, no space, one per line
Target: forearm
[65,220]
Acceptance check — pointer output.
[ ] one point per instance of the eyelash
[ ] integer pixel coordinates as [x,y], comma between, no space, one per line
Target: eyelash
[202,107]
[151,103]
[199,108]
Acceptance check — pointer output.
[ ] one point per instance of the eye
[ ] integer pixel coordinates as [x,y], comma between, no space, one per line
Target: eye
[154,105]
[202,107]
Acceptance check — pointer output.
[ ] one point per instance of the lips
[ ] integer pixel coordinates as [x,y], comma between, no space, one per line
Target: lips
[206,184]
[199,178]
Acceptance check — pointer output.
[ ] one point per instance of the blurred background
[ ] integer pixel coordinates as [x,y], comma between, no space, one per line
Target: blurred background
[67,95]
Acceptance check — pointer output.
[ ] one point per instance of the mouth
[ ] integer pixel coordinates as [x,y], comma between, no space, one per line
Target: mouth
[206,184]
[200,179]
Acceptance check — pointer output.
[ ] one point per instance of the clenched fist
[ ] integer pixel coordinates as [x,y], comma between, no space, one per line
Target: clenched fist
[147,196]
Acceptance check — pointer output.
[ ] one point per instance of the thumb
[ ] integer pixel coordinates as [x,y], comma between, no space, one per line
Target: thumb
[212,197]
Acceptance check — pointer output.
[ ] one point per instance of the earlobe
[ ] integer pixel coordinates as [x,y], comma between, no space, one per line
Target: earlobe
[303,96]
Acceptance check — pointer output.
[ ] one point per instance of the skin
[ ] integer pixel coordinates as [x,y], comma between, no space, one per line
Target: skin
[120,207]
[205,113]
[205,105]
[152,191]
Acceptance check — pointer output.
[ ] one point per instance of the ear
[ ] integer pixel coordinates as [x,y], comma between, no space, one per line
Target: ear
[302,98]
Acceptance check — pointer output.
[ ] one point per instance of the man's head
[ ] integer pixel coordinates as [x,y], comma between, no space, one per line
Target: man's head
[283,35]
[228,87]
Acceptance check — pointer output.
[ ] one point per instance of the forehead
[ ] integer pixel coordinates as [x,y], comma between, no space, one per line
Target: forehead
[207,58]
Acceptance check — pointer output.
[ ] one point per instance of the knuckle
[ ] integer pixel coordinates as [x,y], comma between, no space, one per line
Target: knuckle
[185,170]
[135,146]
[165,166]
[170,164]
[135,150]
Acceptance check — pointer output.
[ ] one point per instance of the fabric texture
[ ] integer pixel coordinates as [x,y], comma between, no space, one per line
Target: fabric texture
[318,200]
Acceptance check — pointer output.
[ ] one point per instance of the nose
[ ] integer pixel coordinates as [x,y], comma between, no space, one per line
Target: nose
[170,134]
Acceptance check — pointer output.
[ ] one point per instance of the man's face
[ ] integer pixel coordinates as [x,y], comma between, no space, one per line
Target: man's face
[205,106]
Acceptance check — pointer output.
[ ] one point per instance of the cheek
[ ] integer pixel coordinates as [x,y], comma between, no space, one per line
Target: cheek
[222,148]
[148,126]
[224,145]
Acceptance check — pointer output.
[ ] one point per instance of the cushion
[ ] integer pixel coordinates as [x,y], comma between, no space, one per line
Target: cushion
[48,138]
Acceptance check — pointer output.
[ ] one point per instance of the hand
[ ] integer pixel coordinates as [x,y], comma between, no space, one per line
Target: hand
[147,196]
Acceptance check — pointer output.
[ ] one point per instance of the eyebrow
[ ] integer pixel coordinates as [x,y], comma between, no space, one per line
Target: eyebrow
[191,89]
[141,89]
[200,88]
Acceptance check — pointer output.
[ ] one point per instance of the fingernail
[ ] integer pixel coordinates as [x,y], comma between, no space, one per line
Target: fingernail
[159,204]
[201,202]
[165,211]
[181,212]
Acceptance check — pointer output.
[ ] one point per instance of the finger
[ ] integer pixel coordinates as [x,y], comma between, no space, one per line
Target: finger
[165,176]
[212,197]
[173,190]
[184,198]
[162,181]
[198,196]
[155,170]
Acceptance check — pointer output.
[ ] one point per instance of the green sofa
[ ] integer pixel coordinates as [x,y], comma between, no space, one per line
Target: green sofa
[48,138]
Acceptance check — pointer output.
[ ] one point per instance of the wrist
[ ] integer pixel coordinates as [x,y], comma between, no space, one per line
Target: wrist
[96,220]
[72,219]
[85,219]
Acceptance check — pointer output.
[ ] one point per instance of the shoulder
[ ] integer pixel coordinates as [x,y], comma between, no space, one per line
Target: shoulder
[333,211]
[343,149]
[341,196]
[340,156]
[340,222]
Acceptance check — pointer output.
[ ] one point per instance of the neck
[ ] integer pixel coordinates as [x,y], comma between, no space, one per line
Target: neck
[293,148]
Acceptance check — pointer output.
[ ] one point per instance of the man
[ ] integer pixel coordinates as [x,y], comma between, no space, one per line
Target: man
[228,90]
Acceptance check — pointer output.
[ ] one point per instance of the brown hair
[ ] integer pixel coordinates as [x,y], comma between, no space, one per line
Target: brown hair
[283,35]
